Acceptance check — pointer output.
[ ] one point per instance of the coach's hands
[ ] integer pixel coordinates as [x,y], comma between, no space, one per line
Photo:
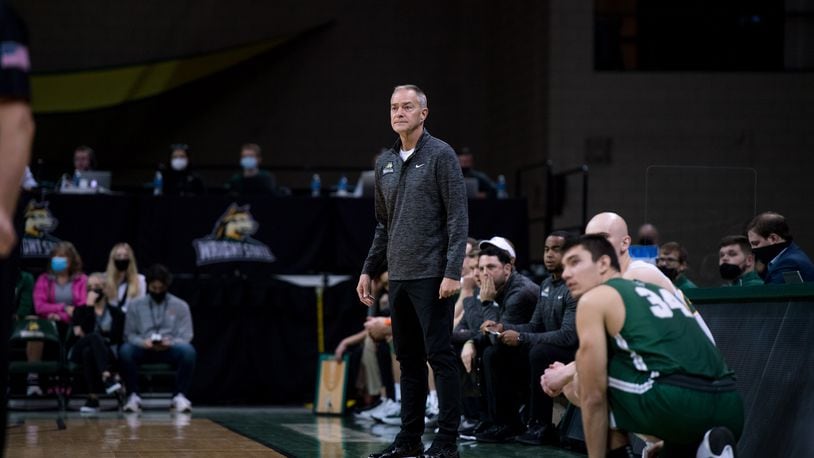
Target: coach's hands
[448,287]
[364,289]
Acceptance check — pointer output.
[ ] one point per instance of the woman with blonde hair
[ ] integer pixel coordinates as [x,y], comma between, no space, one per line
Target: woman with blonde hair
[124,283]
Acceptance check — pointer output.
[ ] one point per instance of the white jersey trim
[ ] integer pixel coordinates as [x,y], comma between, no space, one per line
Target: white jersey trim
[628,387]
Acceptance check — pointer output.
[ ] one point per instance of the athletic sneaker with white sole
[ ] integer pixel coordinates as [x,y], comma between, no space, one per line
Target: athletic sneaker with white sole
[133,403]
[378,409]
[719,442]
[181,404]
[391,415]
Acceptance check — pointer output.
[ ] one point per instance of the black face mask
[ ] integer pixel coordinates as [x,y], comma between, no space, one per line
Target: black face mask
[729,271]
[158,297]
[670,272]
[121,264]
[646,241]
[99,293]
[765,254]
[466,170]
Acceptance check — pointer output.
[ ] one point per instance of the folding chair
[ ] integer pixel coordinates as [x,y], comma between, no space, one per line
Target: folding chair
[41,330]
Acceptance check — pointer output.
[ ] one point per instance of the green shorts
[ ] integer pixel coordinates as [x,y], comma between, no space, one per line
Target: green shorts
[675,414]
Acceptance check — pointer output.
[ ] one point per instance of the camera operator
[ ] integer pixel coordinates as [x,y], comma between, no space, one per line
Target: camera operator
[158,329]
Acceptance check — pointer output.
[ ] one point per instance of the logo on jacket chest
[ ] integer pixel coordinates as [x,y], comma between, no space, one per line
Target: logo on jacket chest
[388,168]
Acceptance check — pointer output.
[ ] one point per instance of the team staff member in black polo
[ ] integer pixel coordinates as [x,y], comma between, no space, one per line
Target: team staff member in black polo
[420,239]
[16,132]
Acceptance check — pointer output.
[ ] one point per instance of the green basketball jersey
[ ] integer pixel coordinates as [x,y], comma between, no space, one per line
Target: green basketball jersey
[660,336]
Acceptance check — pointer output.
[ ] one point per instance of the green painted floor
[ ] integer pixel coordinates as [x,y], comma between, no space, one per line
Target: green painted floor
[299,433]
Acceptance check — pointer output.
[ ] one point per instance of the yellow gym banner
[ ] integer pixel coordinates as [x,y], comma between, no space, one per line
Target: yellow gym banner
[92,89]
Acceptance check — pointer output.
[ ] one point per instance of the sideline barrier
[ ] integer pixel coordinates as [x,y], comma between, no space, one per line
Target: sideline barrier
[766,334]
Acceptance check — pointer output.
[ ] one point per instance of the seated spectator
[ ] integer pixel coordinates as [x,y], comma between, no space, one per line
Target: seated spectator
[549,336]
[736,261]
[123,279]
[510,296]
[158,329]
[179,180]
[468,271]
[99,328]
[62,287]
[486,187]
[507,297]
[774,247]
[469,343]
[84,160]
[648,235]
[364,360]
[58,291]
[252,180]
[672,261]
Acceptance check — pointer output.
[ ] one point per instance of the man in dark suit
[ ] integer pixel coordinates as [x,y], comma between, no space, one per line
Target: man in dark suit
[773,245]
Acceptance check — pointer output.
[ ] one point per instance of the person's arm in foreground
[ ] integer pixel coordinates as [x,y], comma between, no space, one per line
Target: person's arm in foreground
[592,363]
[16,132]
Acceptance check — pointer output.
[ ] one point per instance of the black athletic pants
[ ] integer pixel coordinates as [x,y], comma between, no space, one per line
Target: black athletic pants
[541,356]
[422,331]
[505,373]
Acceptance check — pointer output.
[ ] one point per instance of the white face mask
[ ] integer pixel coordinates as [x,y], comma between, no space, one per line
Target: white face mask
[179,163]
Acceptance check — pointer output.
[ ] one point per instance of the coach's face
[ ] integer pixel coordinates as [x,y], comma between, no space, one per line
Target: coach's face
[406,114]
[581,273]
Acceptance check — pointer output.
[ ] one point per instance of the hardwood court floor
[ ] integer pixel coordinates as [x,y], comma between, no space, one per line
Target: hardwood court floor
[220,432]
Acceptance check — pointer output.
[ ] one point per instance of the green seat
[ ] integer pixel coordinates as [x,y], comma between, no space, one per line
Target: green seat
[40,330]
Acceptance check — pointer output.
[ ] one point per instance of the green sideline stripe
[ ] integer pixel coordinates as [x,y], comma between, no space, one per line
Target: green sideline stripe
[88,90]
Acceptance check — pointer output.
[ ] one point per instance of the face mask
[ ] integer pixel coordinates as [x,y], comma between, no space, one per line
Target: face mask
[765,254]
[670,272]
[466,170]
[121,264]
[646,241]
[99,293]
[59,264]
[179,163]
[248,162]
[158,297]
[729,271]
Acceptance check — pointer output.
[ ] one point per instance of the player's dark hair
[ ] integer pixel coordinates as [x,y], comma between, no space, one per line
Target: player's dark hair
[502,255]
[598,246]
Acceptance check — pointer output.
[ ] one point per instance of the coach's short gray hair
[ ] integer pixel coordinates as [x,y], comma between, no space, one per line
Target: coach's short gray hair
[422,97]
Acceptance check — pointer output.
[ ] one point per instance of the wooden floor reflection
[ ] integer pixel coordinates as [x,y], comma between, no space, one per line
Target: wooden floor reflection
[129,435]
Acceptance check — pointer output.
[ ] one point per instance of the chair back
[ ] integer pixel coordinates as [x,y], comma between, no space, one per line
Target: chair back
[35,329]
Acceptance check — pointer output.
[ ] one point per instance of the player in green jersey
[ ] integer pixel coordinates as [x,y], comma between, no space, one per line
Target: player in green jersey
[645,365]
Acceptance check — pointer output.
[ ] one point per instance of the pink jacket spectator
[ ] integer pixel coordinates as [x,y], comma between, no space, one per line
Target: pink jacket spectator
[44,302]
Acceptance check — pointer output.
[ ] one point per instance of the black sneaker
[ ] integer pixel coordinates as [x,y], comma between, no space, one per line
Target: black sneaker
[539,434]
[469,428]
[718,443]
[498,434]
[399,449]
[91,406]
[441,450]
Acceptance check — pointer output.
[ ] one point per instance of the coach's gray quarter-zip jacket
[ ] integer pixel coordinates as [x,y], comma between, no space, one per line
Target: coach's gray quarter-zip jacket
[422,215]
